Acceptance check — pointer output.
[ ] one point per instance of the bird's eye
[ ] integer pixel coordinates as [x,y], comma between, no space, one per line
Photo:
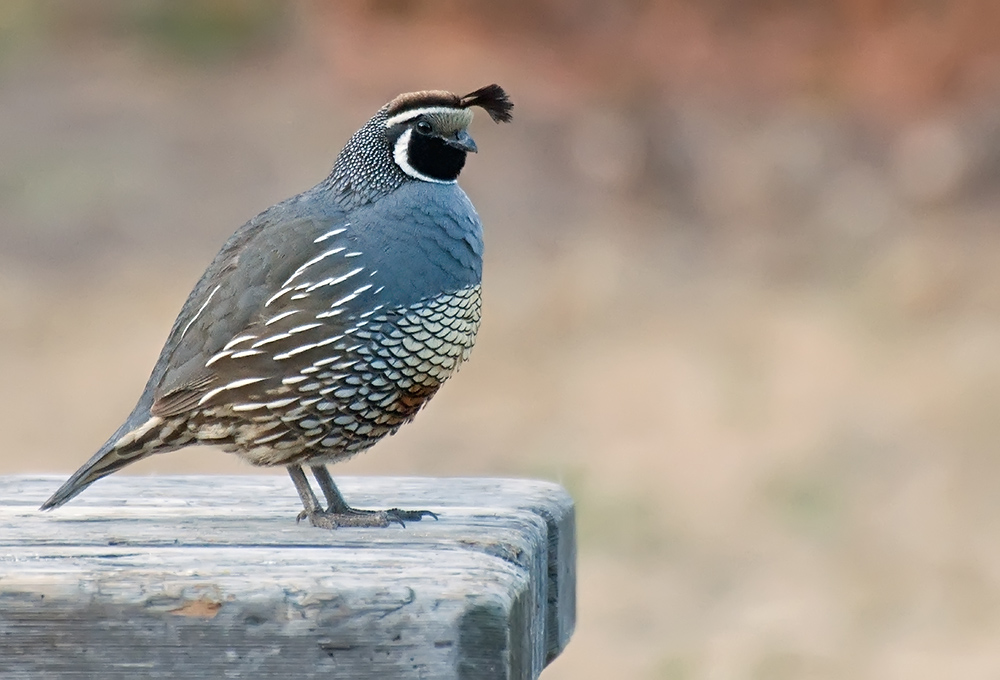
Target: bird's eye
[423,127]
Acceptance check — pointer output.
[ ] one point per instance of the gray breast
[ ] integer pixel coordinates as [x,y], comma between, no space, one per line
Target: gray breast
[420,240]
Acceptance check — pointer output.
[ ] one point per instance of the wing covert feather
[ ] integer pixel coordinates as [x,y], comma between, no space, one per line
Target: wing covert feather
[229,302]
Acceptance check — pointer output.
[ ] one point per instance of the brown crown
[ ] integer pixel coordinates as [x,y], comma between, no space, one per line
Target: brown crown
[491,98]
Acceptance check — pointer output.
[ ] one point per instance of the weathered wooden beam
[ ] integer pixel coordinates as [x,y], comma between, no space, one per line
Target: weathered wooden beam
[211,577]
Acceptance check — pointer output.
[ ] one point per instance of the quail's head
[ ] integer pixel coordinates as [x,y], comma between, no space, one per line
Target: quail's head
[418,136]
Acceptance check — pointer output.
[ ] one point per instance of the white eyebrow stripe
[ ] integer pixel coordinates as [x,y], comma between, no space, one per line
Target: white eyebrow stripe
[200,310]
[413,113]
[324,254]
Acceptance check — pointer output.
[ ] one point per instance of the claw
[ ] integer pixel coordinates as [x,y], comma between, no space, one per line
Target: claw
[395,514]
[325,519]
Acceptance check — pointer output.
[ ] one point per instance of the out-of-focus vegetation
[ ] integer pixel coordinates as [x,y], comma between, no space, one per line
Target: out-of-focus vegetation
[196,30]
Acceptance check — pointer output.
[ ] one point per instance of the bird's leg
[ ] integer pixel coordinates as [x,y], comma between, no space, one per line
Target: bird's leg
[310,504]
[345,515]
[335,502]
[319,517]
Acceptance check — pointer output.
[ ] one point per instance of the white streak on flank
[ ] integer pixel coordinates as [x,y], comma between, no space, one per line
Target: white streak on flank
[347,298]
[269,438]
[281,403]
[379,290]
[246,407]
[337,378]
[353,254]
[413,113]
[304,327]
[299,296]
[334,281]
[324,343]
[319,284]
[281,316]
[242,382]
[400,155]
[293,379]
[332,313]
[220,355]
[293,352]
[245,353]
[324,254]
[237,340]
[138,432]
[333,232]
[273,338]
[277,295]
[372,311]
[201,309]
[328,360]
[374,272]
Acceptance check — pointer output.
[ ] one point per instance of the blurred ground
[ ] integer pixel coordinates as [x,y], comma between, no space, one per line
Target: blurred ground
[742,294]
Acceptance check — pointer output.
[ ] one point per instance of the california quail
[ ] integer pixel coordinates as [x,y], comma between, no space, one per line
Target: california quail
[329,320]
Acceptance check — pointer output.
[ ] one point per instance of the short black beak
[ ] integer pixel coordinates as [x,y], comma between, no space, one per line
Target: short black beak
[462,140]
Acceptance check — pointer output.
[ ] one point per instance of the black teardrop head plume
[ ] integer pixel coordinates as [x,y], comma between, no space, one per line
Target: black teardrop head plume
[493,100]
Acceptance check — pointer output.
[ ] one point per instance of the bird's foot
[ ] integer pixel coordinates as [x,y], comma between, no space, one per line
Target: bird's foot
[325,519]
[397,515]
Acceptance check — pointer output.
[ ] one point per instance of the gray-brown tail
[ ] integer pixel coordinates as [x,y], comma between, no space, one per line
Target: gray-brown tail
[124,447]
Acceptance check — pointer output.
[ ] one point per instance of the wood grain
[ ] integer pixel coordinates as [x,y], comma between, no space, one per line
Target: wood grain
[211,577]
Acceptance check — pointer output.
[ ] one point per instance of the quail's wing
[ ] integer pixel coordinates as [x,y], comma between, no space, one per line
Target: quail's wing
[267,292]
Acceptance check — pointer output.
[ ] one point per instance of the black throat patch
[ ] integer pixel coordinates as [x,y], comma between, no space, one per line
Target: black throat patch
[431,156]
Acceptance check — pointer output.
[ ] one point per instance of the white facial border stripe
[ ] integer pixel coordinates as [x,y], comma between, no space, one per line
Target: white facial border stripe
[399,153]
[413,113]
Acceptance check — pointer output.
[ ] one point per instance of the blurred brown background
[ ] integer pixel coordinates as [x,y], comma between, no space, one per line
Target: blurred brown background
[742,287]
